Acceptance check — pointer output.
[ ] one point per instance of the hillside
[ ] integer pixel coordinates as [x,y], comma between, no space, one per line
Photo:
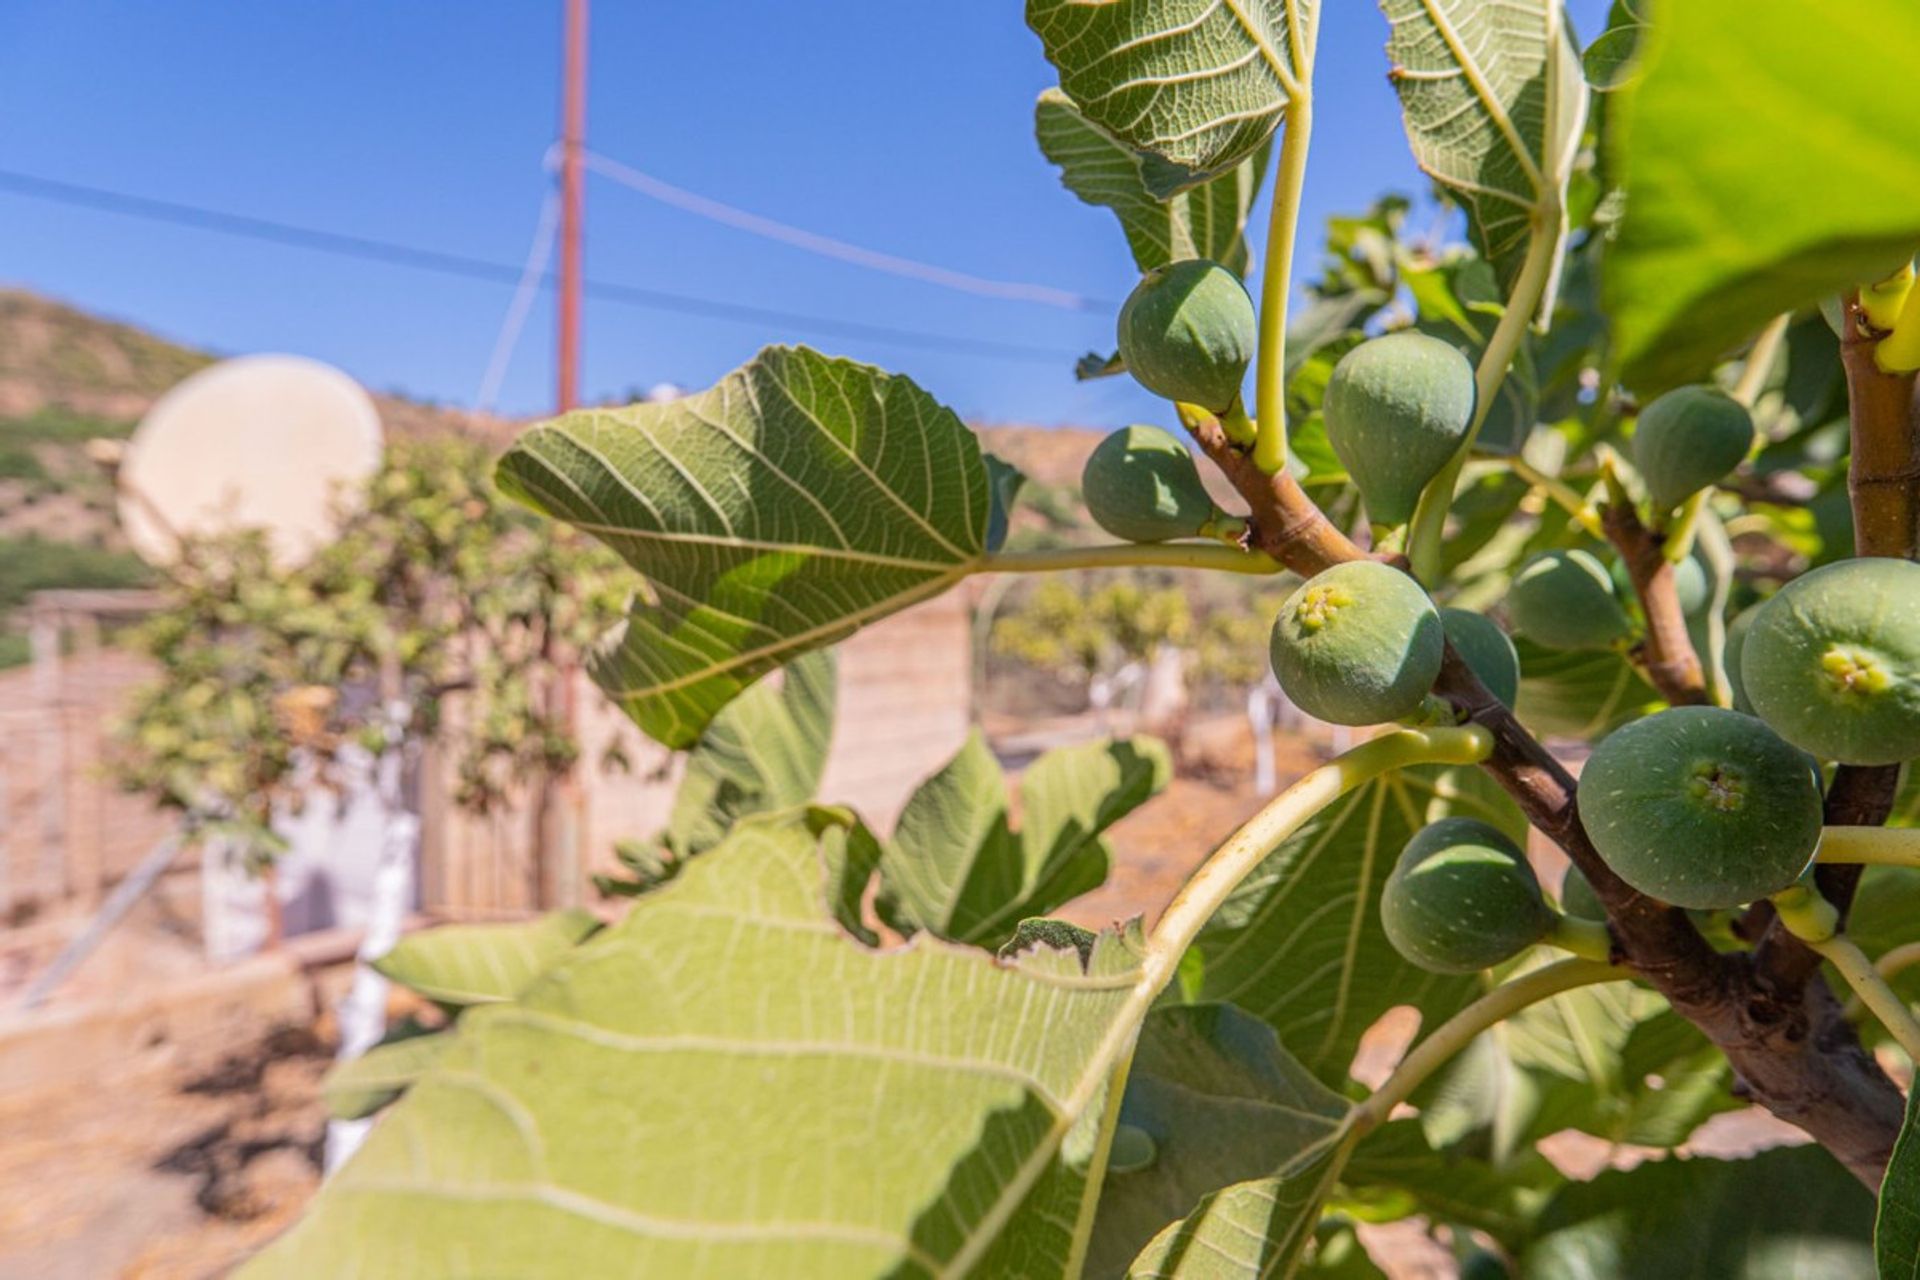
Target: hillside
[68,377]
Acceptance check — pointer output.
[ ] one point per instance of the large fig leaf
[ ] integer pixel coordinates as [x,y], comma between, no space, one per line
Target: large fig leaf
[1896,1234]
[726,1084]
[468,964]
[1770,155]
[1221,1102]
[765,751]
[1300,942]
[1197,85]
[798,500]
[1207,221]
[1787,1214]
[956,868]
[1495,102]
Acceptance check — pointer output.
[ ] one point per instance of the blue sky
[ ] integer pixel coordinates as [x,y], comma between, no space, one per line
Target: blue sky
[903,127]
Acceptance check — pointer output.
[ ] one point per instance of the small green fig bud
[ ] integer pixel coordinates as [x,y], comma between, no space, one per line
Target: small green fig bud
[1485,648]
[1397,409]
[1188,333]
[1566,600]
[1462,898]
[1832,662]
[1140,484]
[1359,643]
[1702,807]
[1688,439]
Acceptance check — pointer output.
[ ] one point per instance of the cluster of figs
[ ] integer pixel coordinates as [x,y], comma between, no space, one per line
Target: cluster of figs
[1702,807]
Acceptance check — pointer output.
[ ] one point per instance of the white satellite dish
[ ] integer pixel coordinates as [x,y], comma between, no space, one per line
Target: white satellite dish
[267,442]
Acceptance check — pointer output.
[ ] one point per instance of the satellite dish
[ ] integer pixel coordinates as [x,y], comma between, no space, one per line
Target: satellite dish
[268,442]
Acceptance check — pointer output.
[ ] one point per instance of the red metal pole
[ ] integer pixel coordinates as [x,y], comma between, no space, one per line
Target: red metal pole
[573,142]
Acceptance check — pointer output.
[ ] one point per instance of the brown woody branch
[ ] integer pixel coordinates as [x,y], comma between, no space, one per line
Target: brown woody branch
[1883,485]
[1796,1055]
[1667,654]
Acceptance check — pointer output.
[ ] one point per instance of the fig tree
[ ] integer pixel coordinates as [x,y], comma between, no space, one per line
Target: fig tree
[1566,600]
[1462,898]
[1687,439]
[1140,484]
[1187,333]
[1359,643]
[1397,408]
[1486,649]
[1833,661]
[1702,807]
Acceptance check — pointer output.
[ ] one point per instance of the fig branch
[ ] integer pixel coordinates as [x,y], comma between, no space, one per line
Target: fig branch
[1796,1055]
[1667,654]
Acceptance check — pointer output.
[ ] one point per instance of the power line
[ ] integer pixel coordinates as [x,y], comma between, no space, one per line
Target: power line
[391,253]
[531,274]
[838,250]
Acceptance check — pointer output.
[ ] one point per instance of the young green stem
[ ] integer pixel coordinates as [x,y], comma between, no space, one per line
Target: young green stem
[1816,922]
[1870,846]
[1276,277]
[1587,939]
[1430,517]
[1844,954]
[1457,1032]
[1889,966]
[1564,495]
[1171,555]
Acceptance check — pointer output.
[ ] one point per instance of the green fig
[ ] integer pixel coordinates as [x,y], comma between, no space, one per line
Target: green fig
[1577,897]
[1359,643]
[1566,600]
[1702,807]
[1462,898]
[1485,648]
[1188,333]
[1688,439]
[1736,644]
[1397,408]
[1832,662]
[1140,484]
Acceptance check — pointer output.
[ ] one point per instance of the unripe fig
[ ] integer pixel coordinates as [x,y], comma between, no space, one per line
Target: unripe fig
[1833,661]
[1688,439]
[1359,643]
[1187,333]
[1397,408]
[1462,898]
[1140,484]
[1566,600]
[1577,897]
[1486,649]
[1735,646]
[1702,807]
